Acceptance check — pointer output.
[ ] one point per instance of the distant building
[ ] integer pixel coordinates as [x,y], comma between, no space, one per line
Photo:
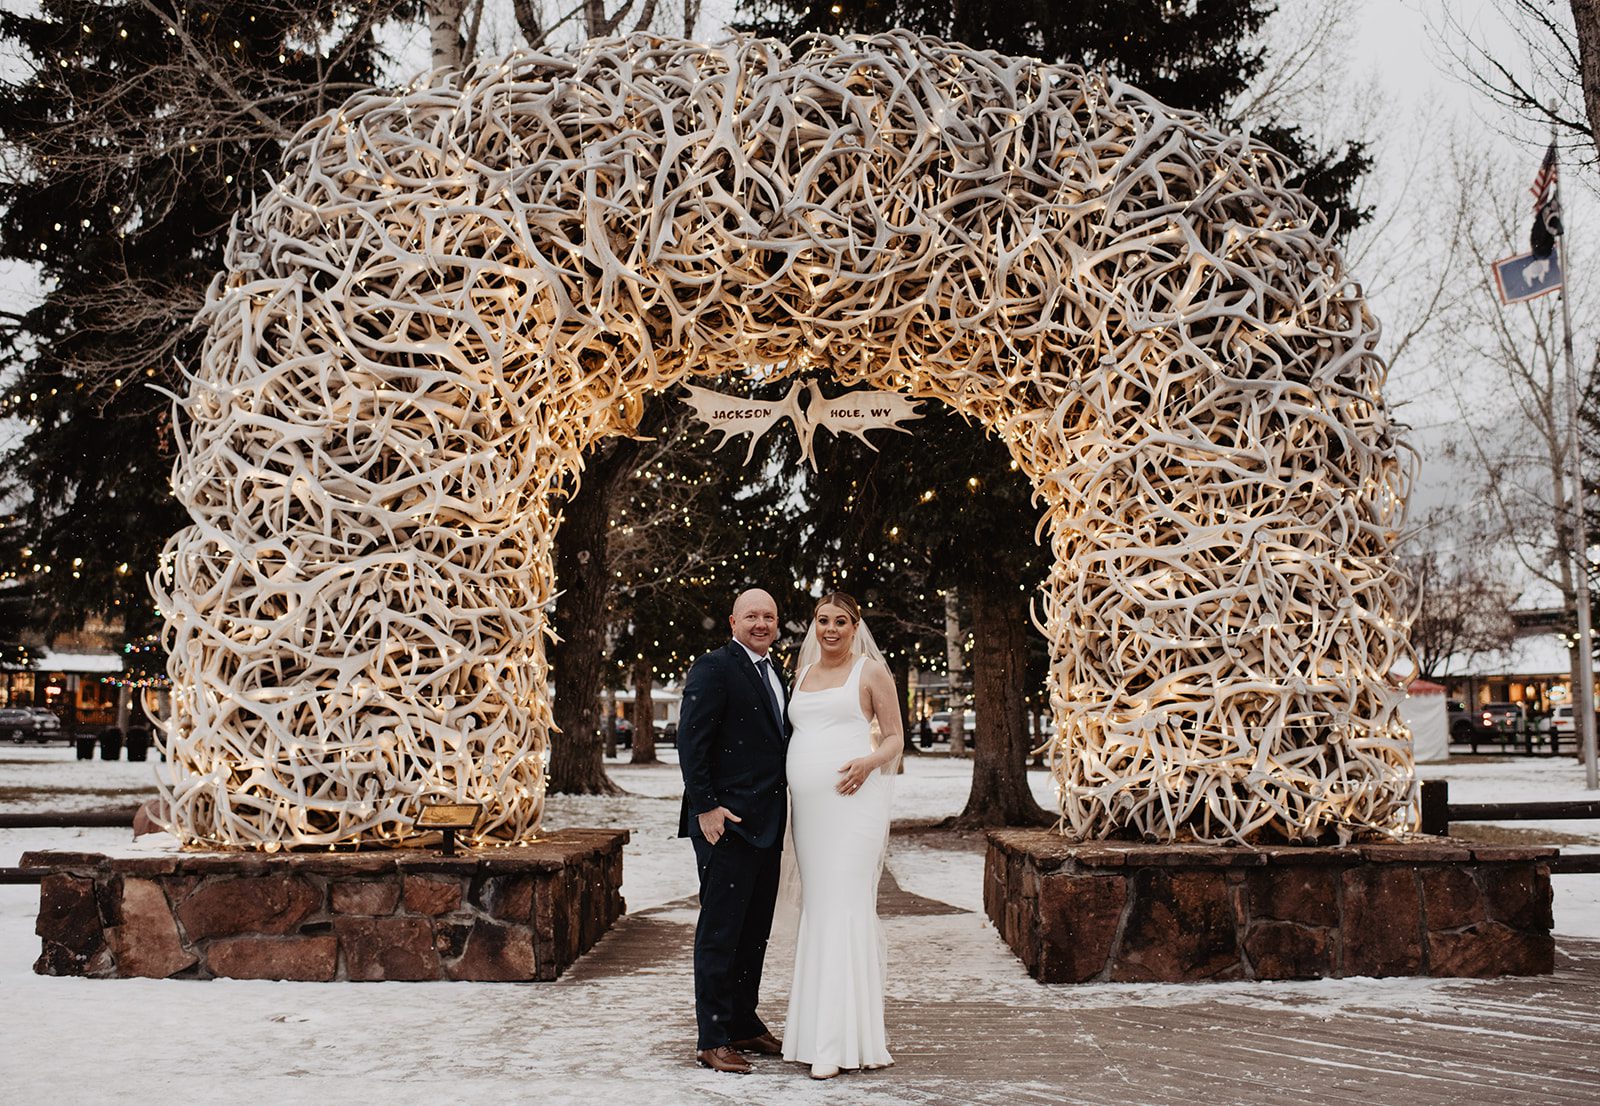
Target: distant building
[1535,670]
[77,675]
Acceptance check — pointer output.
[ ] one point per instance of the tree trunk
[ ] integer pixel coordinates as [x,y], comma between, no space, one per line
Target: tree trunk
[526,13]
[1000,794]
[444,32]
[901,670]
[608,728]
[577,661]
[955,662]
[644,714]
[1586,21]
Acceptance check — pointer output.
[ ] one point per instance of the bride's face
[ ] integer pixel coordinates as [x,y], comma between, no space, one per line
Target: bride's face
[836,630]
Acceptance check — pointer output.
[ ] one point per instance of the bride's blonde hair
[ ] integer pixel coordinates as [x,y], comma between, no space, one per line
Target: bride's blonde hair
[844,602]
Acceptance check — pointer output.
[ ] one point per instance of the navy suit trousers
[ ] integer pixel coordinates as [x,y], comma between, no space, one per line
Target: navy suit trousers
[738,889]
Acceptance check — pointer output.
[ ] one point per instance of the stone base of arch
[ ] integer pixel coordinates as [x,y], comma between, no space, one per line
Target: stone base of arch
[1125,912]
[487,915]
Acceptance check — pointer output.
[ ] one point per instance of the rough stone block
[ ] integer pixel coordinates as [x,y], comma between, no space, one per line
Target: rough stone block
[1042,849]
[431,897]
[70,927]
[994,862]
[497,954]
[1381,925]
[1513,854]
[561,890]
[1180,926]
[450,937]
[552,927]
[1432,850]
[309,959]
[68,914]
[81,862]
[1299,855]
[1078,921]
[1303,893]
[365,896]
[1450,898]
[1490,949]
[1518,895]
[398,948]
[508,898]
[1287,950]
[263,905]
[1098,855]
[147,943]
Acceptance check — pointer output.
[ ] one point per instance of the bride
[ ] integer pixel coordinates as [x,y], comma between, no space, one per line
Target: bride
[839,794]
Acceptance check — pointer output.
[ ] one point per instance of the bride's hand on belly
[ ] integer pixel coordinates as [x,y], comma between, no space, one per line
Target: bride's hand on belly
[853,775]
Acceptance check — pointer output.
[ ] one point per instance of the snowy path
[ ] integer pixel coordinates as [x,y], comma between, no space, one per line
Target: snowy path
[967,1025]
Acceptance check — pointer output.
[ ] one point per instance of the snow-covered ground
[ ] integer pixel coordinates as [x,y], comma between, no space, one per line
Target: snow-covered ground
[594,1036]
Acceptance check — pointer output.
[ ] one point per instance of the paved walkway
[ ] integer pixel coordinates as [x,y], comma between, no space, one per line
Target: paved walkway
[1422,1042]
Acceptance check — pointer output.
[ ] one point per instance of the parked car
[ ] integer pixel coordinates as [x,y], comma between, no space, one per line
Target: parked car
[940,721]
[1561,721]
[624,733]
[29,724]
[666,732]
[1496,720]
[47,727]
[16,723]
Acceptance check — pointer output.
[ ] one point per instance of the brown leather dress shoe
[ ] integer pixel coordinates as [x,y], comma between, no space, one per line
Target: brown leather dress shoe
[723,1058]
[766,1045]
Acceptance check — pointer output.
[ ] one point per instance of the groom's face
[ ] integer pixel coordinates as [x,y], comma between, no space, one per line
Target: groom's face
[755,621]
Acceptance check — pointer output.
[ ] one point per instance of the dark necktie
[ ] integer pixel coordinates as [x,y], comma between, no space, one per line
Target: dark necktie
[763,668]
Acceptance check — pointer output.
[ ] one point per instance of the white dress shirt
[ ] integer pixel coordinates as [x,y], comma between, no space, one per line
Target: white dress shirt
[772,674]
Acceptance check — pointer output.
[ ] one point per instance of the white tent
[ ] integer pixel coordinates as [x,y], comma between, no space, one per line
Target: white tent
[1424,711]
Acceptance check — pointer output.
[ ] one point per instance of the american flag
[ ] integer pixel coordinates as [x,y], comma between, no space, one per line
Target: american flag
[1546,176]
[1546,206]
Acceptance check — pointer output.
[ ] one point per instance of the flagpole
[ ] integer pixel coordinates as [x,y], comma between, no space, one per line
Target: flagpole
[1583,694]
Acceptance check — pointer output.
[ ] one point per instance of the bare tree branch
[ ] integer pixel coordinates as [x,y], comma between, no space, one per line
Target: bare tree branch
[1528,61]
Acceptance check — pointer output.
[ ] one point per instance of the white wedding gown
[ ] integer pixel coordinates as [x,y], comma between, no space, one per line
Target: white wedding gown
[836,1000]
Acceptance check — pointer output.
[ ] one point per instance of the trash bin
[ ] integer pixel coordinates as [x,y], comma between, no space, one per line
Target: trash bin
[85,747]
[111,745]
[138,743]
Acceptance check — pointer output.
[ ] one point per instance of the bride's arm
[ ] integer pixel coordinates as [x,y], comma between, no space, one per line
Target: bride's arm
[879,686]
[886,712]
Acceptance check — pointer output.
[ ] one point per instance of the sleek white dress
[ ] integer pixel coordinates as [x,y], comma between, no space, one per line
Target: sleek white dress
[836,1000]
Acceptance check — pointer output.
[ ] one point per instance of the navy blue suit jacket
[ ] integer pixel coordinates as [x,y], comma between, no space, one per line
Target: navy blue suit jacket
[731,747]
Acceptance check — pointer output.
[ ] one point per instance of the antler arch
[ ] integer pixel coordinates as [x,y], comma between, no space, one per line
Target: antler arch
[456,290]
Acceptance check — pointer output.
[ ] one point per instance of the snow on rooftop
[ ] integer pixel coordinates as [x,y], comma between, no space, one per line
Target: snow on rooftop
[1539,654]
[49,660]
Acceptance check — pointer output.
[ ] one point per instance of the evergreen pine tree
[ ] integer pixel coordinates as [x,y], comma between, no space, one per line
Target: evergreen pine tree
[1194,55]
[137,130]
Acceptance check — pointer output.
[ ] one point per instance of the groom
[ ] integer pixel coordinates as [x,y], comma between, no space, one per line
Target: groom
[732,737]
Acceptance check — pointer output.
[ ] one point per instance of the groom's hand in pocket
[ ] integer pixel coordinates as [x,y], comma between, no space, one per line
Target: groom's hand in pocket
[713,823]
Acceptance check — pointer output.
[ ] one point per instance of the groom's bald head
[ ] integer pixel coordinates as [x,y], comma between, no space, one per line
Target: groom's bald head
[754,620]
